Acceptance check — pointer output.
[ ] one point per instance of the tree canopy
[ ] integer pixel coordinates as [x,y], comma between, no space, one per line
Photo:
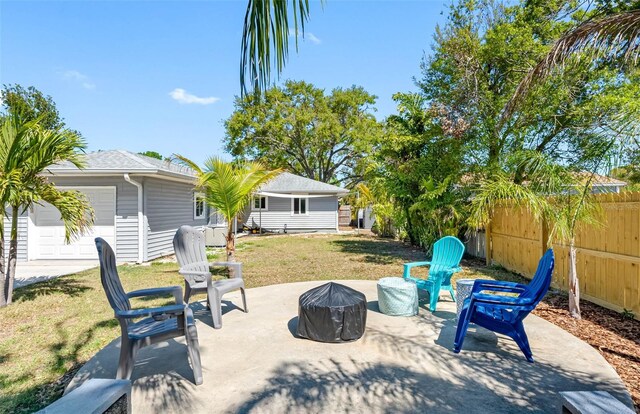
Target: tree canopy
[153,154]
[301,128]
[31,104]
[478,60]
[450,142]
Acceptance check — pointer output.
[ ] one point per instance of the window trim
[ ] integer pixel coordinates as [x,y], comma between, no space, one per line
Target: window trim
[301,197]
[253,203]
[197,195]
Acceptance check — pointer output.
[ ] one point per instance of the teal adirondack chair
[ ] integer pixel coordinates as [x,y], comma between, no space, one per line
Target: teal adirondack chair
[447,253]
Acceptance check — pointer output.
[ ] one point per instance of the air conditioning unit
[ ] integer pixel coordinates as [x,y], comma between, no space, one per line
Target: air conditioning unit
[215,236]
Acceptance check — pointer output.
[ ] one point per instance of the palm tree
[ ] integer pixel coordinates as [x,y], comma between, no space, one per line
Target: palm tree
[265,39]
[572,209]
[613,36]
[26,150]
[228,189]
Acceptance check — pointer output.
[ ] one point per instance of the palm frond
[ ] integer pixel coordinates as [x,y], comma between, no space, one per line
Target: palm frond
[265,39]
[501,189]
[74,207]
[186,162]
[616,35]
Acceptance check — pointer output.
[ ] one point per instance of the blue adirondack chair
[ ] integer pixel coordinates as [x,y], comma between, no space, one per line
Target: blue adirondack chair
[504,314]
[447,253]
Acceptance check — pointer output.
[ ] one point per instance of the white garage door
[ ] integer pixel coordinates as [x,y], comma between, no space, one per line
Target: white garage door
[49,229]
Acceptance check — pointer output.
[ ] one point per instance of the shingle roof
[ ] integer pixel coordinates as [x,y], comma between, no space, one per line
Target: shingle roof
[291,183]
[118,161]
[600,179]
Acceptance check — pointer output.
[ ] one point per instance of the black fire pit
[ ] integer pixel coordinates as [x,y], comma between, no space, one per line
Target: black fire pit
[332,313]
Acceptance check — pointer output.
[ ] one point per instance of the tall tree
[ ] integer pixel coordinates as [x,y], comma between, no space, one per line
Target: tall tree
[301,128]
[26,150]
[419,158]
[228,189]
[480,57]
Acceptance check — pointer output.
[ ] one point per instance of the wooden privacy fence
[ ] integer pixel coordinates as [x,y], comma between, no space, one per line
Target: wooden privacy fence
[608,257]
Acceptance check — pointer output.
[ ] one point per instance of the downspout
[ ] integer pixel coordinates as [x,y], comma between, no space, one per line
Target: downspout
[140,218]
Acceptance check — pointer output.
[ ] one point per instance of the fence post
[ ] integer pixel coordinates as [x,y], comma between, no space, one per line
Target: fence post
[545,236]
[487,243]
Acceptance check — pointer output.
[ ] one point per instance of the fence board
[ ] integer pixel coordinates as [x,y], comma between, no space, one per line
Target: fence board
[608,256]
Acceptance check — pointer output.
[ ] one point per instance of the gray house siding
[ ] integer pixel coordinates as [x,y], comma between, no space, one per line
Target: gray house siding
[126,211]
[22,235]
[322,215]
[168,205]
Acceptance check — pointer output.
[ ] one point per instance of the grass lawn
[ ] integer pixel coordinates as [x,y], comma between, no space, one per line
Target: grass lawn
[55,326]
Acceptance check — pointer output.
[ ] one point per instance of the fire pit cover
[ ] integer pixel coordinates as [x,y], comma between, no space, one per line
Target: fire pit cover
[332,313]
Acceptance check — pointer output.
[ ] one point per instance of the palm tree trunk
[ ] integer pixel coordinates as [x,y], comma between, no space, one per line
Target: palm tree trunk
[574,285]
[3,276]
[13,254]
[231,248]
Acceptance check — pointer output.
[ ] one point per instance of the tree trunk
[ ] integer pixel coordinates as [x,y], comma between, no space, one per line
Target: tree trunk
[574,285]
[4,283]
[412,237]
[13,254]
[231,248]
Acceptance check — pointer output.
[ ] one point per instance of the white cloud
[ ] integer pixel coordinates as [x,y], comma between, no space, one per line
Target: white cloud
[312,38]
[80,78]
[184,97]
[307,36]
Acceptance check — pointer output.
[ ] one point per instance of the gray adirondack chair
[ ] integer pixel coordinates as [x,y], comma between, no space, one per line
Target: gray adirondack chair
[156,325]
[188,244]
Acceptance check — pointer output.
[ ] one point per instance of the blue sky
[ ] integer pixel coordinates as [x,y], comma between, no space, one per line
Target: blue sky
[162,75]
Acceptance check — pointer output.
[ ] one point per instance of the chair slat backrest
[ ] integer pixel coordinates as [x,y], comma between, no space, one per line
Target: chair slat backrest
[539,285]
[109,276]
[189,246]
[447,253]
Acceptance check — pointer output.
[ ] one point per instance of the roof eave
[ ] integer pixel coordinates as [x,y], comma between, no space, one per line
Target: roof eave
[117,171]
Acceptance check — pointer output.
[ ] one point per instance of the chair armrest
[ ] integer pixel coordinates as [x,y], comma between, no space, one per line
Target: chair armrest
[175,290]
[163,310]
[406,273]
[482,298]
[456,269]
[218,264]
[416,264]
[497,286]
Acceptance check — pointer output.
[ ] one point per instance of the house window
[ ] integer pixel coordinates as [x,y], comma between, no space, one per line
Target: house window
[260,203]
[198,206]
[299,205]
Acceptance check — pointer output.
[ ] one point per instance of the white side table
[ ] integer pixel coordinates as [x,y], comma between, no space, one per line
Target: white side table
[463,291]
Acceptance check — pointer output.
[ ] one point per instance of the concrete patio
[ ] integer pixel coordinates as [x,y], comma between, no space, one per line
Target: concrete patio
[256,364]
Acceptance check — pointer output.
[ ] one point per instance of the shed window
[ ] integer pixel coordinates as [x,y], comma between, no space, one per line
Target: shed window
[260,203]
[198,206]
[299,205]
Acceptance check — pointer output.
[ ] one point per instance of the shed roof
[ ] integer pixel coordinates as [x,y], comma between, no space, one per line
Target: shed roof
[291,183]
